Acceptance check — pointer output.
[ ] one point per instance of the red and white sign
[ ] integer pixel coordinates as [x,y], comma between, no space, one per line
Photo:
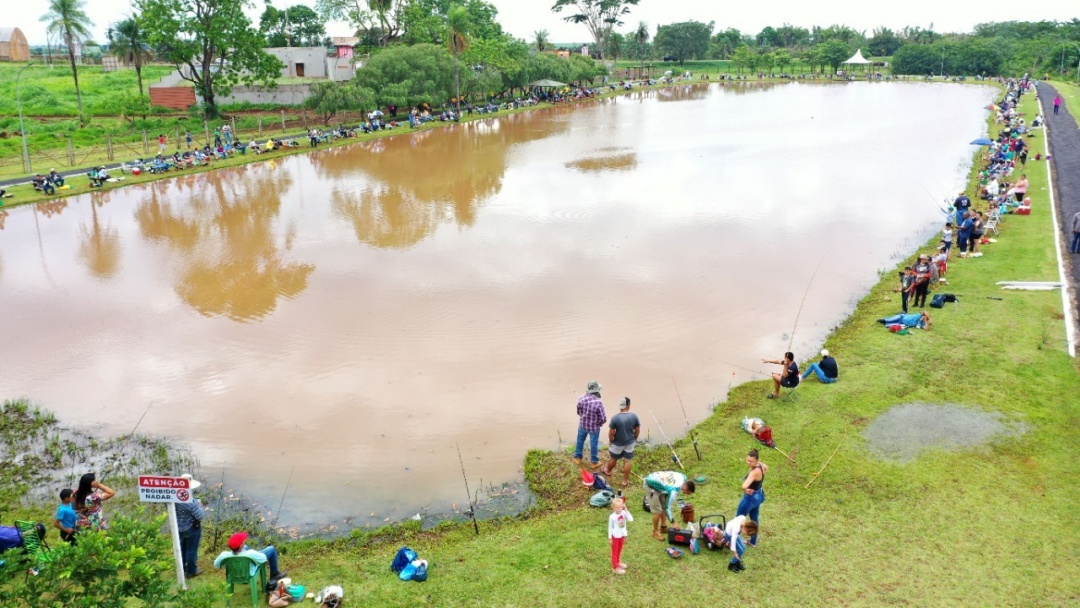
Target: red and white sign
[153,488]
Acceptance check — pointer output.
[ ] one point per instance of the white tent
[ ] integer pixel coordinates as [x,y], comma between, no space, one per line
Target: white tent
[858,59]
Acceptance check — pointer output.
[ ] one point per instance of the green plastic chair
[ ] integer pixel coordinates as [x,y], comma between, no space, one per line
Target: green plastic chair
[238,571]
[37,550]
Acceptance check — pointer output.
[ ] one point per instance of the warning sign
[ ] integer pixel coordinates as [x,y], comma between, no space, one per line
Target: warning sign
[154,488]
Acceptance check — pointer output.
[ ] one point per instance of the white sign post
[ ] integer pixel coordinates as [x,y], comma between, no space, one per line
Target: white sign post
[171,490]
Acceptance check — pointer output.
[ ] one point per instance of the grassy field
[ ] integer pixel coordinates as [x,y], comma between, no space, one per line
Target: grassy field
[50,91]
[992,525]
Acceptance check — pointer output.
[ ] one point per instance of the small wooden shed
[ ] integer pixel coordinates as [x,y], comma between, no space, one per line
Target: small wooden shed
[13,45]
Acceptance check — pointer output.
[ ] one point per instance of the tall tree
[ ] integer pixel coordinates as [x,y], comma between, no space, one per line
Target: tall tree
[599,16]
[297,25]
[457,40]
[723,44]
[615,44]
[541,40]
[407,75]
[128,43]
[641,37]
[686,40]
[378,19]
[67,20]
[211,42]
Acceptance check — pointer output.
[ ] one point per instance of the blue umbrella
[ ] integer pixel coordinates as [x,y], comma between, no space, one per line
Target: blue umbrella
[982,141]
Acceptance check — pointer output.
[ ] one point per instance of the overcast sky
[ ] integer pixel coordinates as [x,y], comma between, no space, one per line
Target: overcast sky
[522,17]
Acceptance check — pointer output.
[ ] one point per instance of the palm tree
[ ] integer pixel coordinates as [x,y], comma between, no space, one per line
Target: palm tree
[128,43]
[541,42]
[641,36]
[457,39]
[68,20]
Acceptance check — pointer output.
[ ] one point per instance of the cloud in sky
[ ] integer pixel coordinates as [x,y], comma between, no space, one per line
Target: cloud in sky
[523,17]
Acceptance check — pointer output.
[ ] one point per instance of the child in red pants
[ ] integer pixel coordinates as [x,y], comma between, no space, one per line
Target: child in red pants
[616,531]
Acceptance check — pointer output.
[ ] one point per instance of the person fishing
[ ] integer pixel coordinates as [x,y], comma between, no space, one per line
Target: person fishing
[788,378]
[591,417]
[623,431]
[753,494]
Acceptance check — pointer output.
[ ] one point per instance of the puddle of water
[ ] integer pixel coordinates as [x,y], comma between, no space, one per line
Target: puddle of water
[352,314]
[905,431]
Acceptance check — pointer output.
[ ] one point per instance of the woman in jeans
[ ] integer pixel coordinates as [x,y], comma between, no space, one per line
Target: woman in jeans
[753,493]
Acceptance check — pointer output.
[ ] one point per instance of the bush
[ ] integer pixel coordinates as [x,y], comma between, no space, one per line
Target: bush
[132,561]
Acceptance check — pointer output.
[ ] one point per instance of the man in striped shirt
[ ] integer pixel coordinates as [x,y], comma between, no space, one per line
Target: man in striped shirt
[591,416]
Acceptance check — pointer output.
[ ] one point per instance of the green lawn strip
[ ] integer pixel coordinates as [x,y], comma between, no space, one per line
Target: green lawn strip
[992,525]
[50,91]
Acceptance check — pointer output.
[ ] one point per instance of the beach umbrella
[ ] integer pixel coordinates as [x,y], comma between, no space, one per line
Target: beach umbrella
[982,141]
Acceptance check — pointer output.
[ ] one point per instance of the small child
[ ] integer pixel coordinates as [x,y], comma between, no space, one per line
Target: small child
[66,517]
[907,285]
[946,238]
[735,527]
[616,531]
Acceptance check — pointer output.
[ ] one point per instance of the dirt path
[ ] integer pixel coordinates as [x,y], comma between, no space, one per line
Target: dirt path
[1065,151]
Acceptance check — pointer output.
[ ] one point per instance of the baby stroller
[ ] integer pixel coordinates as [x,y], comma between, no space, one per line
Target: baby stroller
[712,533]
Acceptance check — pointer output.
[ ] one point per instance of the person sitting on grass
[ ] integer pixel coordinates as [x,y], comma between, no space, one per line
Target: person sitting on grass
[919,320]
[4,194]
[43,185]
[96,180]
[826,370]
[267,556]
[54,177]
[662,489]
[788,378]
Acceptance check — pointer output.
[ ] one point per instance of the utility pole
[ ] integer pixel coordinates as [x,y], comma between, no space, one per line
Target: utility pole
[22,126]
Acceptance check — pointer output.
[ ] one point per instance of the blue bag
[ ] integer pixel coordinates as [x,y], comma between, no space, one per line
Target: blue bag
[421,572]
[404,556]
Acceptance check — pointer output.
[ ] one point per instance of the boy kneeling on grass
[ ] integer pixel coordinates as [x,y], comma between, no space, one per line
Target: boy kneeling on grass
[735,527]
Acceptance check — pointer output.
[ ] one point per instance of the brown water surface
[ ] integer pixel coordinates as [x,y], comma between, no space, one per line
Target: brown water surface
[352,314]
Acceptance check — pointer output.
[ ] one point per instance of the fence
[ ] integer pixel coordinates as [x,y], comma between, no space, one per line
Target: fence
[63,154]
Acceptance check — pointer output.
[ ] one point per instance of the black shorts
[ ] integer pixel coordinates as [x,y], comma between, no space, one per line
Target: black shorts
[789,382]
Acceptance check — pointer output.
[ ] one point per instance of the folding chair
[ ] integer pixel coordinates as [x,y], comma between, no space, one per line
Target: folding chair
[238,571]
[37,550]
[790,394]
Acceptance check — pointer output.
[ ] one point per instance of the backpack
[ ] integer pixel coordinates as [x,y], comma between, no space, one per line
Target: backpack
[421,572]
[938,301]
[415,570]
[949,297]
[602,498]
[404,556]
[599,483]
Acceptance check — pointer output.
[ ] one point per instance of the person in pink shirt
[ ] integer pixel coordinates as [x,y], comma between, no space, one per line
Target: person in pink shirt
[1021,188]
[1057,103]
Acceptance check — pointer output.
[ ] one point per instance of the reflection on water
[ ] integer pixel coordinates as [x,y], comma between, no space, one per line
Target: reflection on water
[222,227]
[421,180]
[363,309]
[99,245]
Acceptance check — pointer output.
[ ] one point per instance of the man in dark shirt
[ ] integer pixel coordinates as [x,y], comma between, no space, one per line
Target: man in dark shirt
[961,204]
[826,370]
[623,431]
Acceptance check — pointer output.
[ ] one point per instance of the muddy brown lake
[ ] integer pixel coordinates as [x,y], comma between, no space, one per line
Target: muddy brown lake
[348,316]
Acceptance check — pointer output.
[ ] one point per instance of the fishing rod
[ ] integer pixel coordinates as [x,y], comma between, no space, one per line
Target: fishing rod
[472,506]
[127,438]
[674,455]
[282,502]
[746,369]
[689,430]
[805,293]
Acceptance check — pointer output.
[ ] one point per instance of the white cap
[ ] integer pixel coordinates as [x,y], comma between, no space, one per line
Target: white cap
[824,353]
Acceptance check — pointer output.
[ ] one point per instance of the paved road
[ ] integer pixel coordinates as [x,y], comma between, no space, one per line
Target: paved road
[1065,151]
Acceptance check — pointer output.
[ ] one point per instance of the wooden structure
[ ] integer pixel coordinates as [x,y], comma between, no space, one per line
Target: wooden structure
[13,45]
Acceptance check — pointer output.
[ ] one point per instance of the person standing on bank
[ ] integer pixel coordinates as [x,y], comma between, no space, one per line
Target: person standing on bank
[1057,103]
[189,516]
[623,431]
[1074,247]
[591,418]
[825,370]
[88,498]
[961,204]
[753,494]
[789,378]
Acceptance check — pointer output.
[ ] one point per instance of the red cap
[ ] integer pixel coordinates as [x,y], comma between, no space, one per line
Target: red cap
[236,541]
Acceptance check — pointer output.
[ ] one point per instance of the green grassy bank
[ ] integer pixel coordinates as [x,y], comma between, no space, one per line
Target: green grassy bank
[993,525]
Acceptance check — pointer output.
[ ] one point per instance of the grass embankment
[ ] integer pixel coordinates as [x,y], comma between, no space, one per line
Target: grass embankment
[994,525]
